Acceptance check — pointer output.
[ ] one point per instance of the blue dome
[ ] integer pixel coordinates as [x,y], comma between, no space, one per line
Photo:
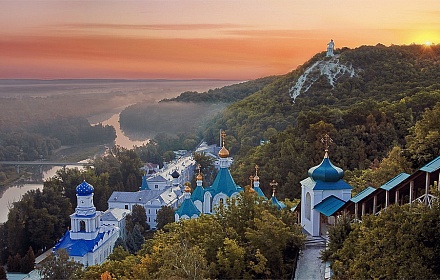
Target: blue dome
[326,171]
[84,189]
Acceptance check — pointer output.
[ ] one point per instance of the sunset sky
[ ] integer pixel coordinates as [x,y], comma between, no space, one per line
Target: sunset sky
[187,39]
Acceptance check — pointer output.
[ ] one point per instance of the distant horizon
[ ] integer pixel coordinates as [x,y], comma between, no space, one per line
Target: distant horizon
[196,40]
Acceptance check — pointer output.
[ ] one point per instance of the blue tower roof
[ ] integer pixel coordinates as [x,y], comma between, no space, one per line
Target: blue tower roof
[144,185]
[198,194]
[224,183]
[187,208]
[259,192]
[277,203]
[84,189]
[326,171]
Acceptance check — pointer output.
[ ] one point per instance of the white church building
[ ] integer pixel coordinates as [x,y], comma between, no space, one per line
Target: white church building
[89,241]
[323,191]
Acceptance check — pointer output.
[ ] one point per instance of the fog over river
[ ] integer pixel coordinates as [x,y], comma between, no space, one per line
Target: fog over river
[157,89]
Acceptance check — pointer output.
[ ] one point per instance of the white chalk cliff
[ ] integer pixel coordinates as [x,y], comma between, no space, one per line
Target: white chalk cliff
[332,69]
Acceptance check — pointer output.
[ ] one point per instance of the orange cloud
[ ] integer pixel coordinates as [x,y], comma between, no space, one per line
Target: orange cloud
[97,56]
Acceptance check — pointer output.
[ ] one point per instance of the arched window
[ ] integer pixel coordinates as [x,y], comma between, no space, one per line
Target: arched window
[221,201]
[82,226]
[308,206]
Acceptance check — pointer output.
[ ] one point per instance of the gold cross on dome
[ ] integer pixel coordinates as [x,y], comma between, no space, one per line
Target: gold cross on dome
[256,170]
[273,184]
[326,140]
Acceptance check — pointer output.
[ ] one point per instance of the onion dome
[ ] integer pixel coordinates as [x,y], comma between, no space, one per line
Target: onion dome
[223,153]
[256,178]
[187,187]
[199,177]
[84,189]
[175,174]
[326,171]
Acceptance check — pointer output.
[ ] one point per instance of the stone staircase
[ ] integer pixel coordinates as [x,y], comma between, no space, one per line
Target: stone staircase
[315,241]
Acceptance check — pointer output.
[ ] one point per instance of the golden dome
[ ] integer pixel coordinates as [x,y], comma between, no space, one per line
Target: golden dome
[256,178]
[223,153]
[199,177]
[187,187]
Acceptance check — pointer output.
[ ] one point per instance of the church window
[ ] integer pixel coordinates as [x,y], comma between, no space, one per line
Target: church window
[82,226]
[148,219]
[148,211]
[156,186]
[126,206]
[221,201]
[308,206]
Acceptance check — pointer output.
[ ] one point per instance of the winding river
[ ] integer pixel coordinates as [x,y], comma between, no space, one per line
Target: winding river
[14,193]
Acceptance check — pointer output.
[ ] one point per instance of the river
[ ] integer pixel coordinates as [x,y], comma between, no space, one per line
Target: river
[14,193]
[155,89]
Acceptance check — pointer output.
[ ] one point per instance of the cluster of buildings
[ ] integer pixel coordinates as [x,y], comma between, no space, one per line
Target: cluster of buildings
[324,195]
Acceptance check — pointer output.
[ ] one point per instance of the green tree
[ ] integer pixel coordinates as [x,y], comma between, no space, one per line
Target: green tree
[2,273]
[165,215]
[424,138]
[60,266]
[138,216]
[400,237]
[27,263]
[135,240]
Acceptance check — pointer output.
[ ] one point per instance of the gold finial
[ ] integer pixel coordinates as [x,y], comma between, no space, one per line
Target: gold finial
[199,176]
[223,137]
[256,178]
[326,140]
[223,153]
[273,184]
[187,187]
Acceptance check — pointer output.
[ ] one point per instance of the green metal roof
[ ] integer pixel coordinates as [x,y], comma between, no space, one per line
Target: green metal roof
[224,183]
[144,185]
[198,194]
[363,194]
[321,185]
[259,192]
[277,203]
[329,205]
[187,208]
[395,181]
[432,166]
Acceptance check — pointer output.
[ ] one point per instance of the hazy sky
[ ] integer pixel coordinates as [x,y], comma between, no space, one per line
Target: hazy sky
[185,39]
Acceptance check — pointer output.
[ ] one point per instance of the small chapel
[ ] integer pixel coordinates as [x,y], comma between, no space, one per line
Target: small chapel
[322,192]
[90,240]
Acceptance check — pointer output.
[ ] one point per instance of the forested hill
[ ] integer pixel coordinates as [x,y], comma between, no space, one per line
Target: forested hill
[369,99]
[226,94]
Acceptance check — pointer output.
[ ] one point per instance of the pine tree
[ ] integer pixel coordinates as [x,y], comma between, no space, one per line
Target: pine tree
[2,273]
[27,263]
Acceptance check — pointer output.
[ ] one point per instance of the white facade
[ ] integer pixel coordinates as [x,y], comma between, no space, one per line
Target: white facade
[89,241]
[324,180]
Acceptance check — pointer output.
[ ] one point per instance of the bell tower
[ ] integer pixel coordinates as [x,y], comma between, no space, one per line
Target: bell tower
[84,222]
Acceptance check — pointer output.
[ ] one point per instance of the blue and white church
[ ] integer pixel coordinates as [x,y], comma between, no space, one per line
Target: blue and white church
[323,191]
[89,241]
[205,200]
